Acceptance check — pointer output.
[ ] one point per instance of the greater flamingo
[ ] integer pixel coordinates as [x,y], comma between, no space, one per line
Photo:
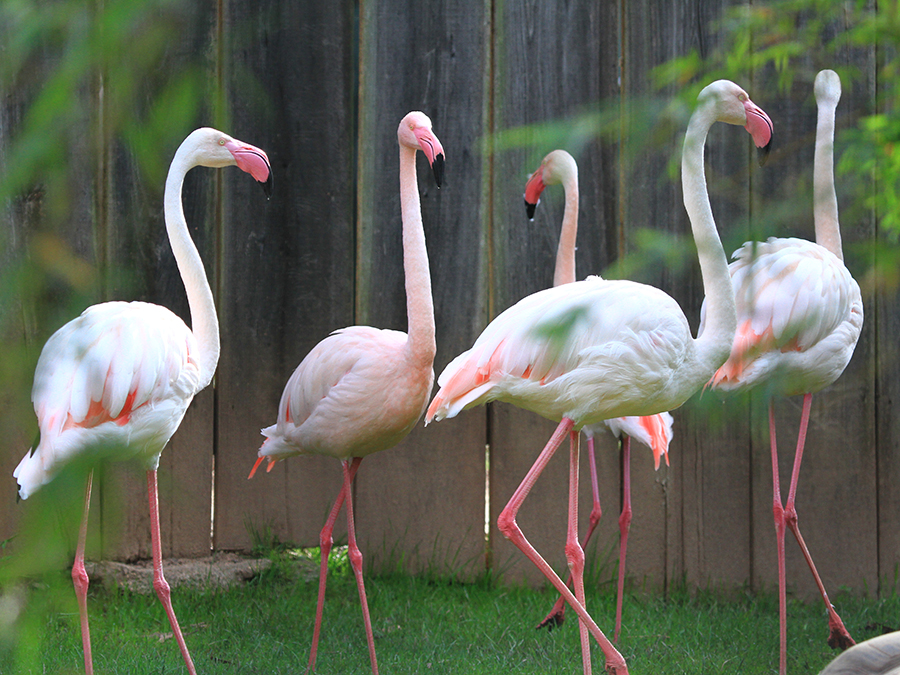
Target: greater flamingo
[592,350]
[115,383]
[800,314]
[361,390]
[655,431]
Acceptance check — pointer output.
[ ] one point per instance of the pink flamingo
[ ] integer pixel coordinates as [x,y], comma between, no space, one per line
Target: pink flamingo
[655,431]
[331,404]
[593,350]
[799,317]
[116,382]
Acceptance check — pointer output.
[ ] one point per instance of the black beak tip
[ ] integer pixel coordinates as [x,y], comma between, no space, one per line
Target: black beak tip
[437,167]
[268,185]
[530,209]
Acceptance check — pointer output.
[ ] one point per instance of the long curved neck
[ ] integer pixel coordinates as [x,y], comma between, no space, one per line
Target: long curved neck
[568,233]
[419,305]
[204,323]
[825,206]
[714,344]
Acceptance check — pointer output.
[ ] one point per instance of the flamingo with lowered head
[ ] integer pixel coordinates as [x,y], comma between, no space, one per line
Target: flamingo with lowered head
[330,405]
[592,350]
[654,431]
[799,314]
[116,382]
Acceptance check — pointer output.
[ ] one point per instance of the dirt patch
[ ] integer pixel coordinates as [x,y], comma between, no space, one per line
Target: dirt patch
[221,570]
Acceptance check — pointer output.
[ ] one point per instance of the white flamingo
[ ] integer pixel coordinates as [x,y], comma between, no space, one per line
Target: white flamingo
[654,431]
[592,350]
[115,382]
[361,389]
[799,316]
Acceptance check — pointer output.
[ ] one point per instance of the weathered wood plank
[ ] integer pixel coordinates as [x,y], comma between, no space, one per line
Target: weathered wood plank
[428,493]
[288,276]
[553,66]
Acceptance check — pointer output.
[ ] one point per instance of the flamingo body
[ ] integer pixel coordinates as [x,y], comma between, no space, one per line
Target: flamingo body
[654,431]
[114,383]
[799,313]
[588,351]
[327,405]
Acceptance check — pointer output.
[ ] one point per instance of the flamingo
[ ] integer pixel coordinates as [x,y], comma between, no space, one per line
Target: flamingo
[115,383]
[597,349]
[800,314]
[654,431]
[335,402]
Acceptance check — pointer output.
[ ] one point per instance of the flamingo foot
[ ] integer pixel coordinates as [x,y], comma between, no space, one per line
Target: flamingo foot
[556,617]
[839,637]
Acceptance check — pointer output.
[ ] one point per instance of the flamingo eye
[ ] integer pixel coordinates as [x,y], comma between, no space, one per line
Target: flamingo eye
[221,141]
[742,97]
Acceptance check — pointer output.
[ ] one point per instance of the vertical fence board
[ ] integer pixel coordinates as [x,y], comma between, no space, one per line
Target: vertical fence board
[551,68]
[288,270]
[426,496]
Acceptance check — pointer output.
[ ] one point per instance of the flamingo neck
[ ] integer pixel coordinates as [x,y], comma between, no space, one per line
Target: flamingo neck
[568,233]
[825,206]
[204,322]
[419,306]
[714,345]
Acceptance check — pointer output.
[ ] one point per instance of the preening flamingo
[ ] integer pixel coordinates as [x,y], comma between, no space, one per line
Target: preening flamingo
[592,350]
[799,316]
[361,390]
[115,383]
[655,431]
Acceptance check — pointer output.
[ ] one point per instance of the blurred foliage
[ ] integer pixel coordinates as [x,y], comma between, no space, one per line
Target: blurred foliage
[88,90]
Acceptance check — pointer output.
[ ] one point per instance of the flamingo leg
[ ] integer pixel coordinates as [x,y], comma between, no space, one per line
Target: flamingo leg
[778,512]
[574,552]
[615,664]
[624,526]
[81,581]
[325,543]
[839,637]
[159,581]
[355,556]
[557,614]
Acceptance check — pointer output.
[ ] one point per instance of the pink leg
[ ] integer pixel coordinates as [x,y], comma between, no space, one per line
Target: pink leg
[159,582]
[80,579]
[557,614]
[839,637]
[574,552]
[615,664]
[778,512]
[325,544]
[355,556]
[624,525]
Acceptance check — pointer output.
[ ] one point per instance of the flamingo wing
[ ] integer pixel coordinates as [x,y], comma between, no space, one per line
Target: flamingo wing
[121,373]
[554,344]
[791,295]
[654,431]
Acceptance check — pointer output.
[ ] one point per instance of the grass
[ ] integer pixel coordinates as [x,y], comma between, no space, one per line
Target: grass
[421,626]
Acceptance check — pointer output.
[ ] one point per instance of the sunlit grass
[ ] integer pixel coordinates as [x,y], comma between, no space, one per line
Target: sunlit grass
[421,625]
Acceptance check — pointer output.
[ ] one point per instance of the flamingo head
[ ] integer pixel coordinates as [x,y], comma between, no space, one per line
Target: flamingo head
[557,167]
[415,132]
[735,107]
[217,149]
[827,88]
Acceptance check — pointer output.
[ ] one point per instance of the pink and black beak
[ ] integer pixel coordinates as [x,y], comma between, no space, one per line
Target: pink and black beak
[254,161]
[761,129]
[433,150]
[533,189]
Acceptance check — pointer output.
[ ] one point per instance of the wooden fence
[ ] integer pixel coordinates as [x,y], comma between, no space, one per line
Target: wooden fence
[321,87]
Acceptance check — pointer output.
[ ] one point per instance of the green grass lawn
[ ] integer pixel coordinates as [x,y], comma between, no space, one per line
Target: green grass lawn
[421,626]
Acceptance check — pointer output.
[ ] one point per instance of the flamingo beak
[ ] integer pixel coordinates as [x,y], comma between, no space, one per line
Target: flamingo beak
[533,189]
[434,151]
[254,161]
[760,127]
